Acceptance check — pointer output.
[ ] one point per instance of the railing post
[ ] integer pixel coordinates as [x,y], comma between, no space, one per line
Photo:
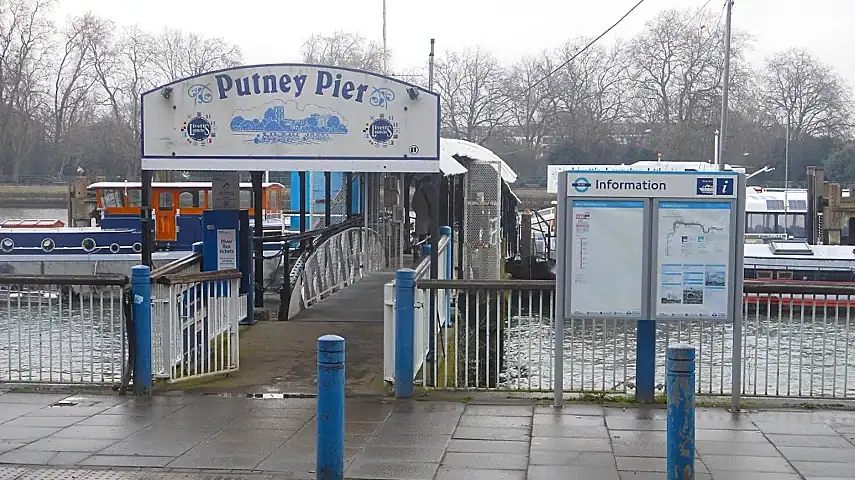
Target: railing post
[645,361]
[405,289]
[680,389]
[141,295]
[330,444]
[446,231]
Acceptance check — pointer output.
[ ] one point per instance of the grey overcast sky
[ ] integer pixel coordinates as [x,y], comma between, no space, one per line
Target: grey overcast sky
[272,31]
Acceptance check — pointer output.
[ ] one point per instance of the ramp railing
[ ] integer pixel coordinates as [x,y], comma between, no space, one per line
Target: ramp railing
[423,333]
[198,324]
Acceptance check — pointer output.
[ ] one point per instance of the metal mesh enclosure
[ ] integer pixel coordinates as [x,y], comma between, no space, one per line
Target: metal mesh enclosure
[482,240]
[382,213]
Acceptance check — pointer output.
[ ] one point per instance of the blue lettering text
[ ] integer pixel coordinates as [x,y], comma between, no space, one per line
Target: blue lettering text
[256,84]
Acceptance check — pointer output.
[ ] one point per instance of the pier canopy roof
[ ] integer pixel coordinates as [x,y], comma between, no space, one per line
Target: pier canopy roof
[290,117]
[452,149]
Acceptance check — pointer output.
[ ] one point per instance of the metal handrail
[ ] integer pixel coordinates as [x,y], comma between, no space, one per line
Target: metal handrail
[198,277]
[793,287]
[177,266]
[106,279]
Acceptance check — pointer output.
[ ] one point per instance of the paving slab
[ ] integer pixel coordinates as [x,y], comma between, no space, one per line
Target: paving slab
[238,437]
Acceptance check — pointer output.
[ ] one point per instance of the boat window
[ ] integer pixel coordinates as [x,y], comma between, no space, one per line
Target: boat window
[246,199]
[764,223]
[190,199]
[134,198]
[273,199]
[775,204]
[164,200]
[764,274]
[112,198]
[795,223]
[797,204]
[785,275]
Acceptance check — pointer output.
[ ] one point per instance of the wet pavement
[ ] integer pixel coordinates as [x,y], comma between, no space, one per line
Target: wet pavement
[281,357]
[208,437]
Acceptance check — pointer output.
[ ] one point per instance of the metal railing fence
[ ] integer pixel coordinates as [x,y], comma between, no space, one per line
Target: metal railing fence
[194,322]
[797,341]
[64,329]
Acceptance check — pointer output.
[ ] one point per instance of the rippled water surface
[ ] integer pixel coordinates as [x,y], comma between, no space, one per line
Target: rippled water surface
[51,339]
[785,353]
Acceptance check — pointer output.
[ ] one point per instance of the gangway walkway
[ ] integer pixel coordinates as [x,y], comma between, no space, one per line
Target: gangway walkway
[360,302]
[279,357]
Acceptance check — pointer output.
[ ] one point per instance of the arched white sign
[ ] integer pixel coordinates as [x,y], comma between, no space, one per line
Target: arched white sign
[290,117]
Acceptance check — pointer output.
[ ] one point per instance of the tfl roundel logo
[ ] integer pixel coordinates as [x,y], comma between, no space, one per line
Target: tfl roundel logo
[581,184]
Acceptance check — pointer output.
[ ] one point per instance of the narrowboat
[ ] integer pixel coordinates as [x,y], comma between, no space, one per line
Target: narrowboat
[113,242]
[116,228]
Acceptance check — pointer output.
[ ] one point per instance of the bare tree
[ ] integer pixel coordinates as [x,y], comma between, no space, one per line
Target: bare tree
[532,100]
[343,49]
[123,67]
[178,55]
[678,71]
[800,91]
[472,94]
[592,93]
[73,96]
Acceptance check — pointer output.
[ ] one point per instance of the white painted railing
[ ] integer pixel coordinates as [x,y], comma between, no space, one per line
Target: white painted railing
[421,338]
[340,261]
[195,319]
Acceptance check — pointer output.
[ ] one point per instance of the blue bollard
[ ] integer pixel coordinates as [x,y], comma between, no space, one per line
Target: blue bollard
[405,290]
[330,460]
[680,388]
[645,361]
[141,297]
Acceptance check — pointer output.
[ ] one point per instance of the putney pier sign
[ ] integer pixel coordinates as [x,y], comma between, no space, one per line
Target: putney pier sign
[290,117]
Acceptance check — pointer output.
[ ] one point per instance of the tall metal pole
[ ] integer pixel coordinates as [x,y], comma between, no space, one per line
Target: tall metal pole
[716,158]
[787,166]
[146,218]
[385,52]
[725,88]
[430,65]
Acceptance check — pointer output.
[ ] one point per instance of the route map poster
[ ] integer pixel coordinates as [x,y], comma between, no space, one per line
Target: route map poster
[693,252]
[606,258]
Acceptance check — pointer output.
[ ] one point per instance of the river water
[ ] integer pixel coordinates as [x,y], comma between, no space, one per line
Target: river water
[45,336]
[797,353]
[34,213]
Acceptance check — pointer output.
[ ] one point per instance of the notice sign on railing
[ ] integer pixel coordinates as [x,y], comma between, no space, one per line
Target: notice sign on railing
[598,240]
[226,249]
[692,259]
[650,245]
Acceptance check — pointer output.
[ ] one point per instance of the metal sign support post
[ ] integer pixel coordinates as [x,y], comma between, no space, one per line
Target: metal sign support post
[561,215]
[687,264]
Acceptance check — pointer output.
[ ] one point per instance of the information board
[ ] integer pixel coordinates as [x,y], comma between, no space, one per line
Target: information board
[650,245]
[692,257]
[606,258]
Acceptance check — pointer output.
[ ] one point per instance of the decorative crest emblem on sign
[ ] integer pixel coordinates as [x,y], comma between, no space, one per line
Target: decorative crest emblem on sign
[199,129]
[200,94]
[381,97]
[381,131]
